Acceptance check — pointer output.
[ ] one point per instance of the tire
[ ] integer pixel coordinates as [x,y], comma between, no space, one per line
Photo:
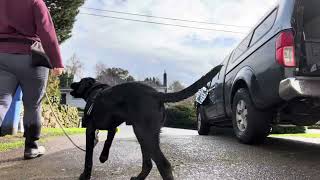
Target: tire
[203,126]
[250,125]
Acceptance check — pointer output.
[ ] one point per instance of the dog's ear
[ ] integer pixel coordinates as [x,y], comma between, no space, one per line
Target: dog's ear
[73,85]
[91,80]
[87,81]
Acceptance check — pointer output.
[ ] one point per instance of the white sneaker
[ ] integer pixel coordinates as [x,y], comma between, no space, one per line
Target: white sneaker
[31,153]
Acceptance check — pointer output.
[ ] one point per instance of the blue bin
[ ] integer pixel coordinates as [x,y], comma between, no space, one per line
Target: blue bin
[11,121]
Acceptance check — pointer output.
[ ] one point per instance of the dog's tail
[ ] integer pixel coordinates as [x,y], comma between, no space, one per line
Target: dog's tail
[191,90]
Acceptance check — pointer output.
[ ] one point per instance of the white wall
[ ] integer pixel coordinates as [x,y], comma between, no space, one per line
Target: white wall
[75,102]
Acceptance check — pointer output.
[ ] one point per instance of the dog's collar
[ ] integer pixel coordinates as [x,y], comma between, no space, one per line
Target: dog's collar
[91,96]
[92,89]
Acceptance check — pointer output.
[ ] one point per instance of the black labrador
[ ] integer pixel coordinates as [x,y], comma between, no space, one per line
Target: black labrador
[136,104]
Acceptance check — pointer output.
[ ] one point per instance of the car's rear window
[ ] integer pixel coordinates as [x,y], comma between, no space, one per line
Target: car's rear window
[242,47]
[264,27]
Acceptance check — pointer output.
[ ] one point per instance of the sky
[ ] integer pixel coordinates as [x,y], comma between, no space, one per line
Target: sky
[147,50]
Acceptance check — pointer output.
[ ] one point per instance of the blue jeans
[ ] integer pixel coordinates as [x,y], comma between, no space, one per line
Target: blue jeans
[15,70]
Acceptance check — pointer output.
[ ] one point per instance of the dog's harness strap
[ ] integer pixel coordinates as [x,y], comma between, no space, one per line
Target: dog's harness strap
[90,109]
[91,96]
[91,100]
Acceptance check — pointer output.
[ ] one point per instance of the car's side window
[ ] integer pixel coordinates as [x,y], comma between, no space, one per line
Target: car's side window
[242,47]
[264,27]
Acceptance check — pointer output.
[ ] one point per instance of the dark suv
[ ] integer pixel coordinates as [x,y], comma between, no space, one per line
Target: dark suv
[272,77]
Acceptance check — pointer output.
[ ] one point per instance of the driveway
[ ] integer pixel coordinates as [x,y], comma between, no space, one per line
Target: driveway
[192,157]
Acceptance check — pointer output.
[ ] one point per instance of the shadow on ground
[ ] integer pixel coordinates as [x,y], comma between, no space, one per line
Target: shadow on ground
[217,156]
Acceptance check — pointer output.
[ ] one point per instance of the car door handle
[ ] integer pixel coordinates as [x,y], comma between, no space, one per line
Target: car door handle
[213,88]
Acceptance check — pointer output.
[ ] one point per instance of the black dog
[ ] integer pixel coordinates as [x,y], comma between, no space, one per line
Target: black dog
[136,104]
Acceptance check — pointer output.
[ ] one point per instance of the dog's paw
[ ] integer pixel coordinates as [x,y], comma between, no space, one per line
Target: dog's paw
[84,176]
[103,159]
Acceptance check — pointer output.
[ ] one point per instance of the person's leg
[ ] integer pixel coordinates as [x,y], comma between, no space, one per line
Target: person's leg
[33,88]
[33,81]
[8,86]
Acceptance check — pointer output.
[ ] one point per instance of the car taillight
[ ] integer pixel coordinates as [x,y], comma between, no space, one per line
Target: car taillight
[285,49]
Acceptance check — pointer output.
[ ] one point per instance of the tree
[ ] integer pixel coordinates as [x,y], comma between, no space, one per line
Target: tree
[112,76]
[99,68]
[66,79]
[63,14]
[130,78]
[153,81]
[73,69]
[74,66]
[176,86]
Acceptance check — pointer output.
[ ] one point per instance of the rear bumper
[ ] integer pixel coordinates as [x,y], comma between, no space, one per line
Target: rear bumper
[293,87]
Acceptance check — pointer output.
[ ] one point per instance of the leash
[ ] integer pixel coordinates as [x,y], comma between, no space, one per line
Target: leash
[60,125]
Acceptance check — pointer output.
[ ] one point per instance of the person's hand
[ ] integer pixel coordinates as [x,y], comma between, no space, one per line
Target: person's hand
[57,71]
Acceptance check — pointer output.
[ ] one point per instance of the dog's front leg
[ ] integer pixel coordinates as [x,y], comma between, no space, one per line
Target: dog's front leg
[105,152]
[90,135]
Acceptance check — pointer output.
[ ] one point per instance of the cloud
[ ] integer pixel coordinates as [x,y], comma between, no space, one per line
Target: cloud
[149,49]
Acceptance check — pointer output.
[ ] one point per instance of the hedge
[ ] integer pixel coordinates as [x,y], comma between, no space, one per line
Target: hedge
[316,126]
[68,116]
[181,115]
[288,130]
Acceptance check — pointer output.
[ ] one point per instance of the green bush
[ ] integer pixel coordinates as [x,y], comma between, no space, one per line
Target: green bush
[288,130]
[181,115]
[68,116]
[316,126]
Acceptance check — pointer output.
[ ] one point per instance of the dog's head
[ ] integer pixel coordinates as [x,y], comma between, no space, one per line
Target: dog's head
[79,89]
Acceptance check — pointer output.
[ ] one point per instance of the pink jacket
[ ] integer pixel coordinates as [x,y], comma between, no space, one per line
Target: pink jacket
[28,19]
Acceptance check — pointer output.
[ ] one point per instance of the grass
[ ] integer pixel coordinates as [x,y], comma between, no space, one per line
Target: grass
[11,145]
[17,141]
[306,135]
[58,132]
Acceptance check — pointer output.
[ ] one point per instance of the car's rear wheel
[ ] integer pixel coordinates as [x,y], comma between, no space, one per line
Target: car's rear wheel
[203,126]
[251,126]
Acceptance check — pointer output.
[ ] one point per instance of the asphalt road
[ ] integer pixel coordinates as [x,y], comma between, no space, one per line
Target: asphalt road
[192,157]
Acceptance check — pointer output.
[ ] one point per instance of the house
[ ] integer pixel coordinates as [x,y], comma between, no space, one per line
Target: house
[66,98]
